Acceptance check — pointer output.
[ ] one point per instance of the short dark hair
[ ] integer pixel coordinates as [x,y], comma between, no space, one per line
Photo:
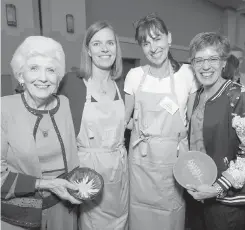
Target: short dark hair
[210,39]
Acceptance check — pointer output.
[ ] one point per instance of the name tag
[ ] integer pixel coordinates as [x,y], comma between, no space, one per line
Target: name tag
[169,105]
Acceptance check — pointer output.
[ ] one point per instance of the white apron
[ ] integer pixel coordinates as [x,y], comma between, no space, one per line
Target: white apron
[158,137]
[101,147]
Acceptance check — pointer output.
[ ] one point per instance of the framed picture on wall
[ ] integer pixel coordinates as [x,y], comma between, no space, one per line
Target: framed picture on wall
[11,15]
[70,23]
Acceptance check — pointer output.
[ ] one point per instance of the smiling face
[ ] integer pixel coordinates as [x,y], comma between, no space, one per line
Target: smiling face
[39,77]
[102,49]
[156,47]
[208,66]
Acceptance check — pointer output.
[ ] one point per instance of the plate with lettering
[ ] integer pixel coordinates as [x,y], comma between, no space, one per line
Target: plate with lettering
[195,168]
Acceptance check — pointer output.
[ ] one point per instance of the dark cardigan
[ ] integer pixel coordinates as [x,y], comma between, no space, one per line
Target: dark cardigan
[220,139]
[73,87]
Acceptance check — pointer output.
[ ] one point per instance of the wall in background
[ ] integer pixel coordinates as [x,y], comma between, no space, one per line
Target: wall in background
[130,49]
[240,41]
[183,18]
[240,38]
[234,28]
[11,37]
[54,25]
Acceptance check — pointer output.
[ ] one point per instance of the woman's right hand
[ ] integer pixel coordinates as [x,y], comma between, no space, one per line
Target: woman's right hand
[59,187]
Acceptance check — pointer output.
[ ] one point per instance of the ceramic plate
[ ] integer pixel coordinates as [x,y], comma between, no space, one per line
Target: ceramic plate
[195,168]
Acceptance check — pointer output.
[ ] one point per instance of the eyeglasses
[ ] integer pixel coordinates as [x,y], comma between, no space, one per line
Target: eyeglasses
[199,62]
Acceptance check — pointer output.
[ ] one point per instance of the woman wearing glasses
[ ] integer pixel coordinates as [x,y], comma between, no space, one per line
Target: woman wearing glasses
[158,93]
[217,128]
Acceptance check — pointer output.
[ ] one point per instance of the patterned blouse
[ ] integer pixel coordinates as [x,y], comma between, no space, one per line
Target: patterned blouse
[196,140]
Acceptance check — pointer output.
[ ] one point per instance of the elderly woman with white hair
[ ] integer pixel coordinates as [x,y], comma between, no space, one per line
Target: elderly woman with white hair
[38,146]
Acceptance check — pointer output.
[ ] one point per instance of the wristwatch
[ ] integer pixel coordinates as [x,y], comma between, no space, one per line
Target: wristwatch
[220,191]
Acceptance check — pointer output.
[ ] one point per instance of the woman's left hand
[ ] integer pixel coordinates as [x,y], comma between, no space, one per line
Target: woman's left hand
[202,192]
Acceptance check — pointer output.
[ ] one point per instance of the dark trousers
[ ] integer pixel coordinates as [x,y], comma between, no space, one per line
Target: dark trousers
[213,215]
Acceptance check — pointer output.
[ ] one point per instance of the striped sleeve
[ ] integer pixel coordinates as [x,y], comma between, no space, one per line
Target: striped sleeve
[224,183]
[12,184]
[234,176]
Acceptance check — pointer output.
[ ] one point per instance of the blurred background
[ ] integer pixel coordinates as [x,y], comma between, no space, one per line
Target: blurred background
[66,21]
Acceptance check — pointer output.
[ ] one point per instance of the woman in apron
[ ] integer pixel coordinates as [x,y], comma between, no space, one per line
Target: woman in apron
[99,119]
[158,93]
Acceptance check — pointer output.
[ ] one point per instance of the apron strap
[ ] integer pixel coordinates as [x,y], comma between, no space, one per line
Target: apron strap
[172,81]
[143,77]
[146,71]
[118,91]
[88,93]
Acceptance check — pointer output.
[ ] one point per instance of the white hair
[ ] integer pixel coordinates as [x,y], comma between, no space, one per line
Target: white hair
[38,45]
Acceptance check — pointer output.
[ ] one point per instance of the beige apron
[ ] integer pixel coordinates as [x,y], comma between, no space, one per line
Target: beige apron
[101,147]
[158,137]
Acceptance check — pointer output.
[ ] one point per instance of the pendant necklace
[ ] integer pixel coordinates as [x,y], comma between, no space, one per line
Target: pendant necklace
[103,89]
[45,132]
[101,86]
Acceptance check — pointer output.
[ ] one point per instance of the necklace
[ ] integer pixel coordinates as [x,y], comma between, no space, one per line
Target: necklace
[45,132]
[39,114]
[104,87]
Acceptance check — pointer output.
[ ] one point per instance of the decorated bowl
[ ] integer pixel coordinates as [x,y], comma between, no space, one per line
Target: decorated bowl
[89,182]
